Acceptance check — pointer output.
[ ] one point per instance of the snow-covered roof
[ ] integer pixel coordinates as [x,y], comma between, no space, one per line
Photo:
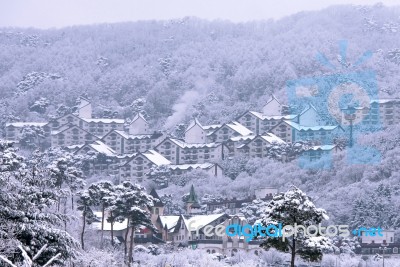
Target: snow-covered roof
[239,128]
[272,98]
[271,138]
[74,146]
[192,166]
[211,126]
[137,116]
[183,144]
[107,121]
[323,147]
[199,221]
[156,157]
[383,101]
[169,220]
[275,117]
[83,102]
[242,138]
[134,136]
[70,126]
[23,124]
[102,148]
[193,123]
[310,106]
[311,128]
[107,226]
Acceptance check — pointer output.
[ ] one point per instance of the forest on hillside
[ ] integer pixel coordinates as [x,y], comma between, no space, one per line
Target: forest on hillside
[174,70]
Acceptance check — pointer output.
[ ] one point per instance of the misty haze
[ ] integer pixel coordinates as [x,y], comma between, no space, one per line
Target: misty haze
[194,142]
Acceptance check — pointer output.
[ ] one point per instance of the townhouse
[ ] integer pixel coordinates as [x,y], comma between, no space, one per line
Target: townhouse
[180,152]
[380,113]
[125,143]
[70,134]
[259,145]
[259,123]
[228,130]
[14,131]
[99,159]
[138,167]
[290,131]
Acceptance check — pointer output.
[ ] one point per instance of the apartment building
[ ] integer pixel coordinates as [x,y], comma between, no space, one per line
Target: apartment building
[259,123]
[15,130]
[125,143]
[138,166]
[228,130]
[259,145]
[70,134]
[180,152]
[380,113]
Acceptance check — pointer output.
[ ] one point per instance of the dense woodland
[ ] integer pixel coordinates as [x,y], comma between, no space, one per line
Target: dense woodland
[175,70]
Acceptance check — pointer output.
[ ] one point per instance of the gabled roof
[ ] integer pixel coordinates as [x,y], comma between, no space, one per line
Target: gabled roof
[65,127]
[120,121]
[99,147]
[299,127]
[23,124]
[183,144]
[235,126]
[133,136]
[157,199]
[82,105]
[272,98]
[151,155]
[137,116]
[203,166]
[193,123]
[322,147]
[169,221]
[198,221]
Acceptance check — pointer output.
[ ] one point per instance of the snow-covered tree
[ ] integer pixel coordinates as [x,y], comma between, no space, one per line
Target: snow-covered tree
[290,208]
[28,217]
[100,193]
[40,105]
[132,204]
[160,175]
[254,210]
[377,208]
[85,204]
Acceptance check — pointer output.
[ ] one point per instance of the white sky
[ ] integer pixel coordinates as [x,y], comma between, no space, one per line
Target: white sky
[61,13]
